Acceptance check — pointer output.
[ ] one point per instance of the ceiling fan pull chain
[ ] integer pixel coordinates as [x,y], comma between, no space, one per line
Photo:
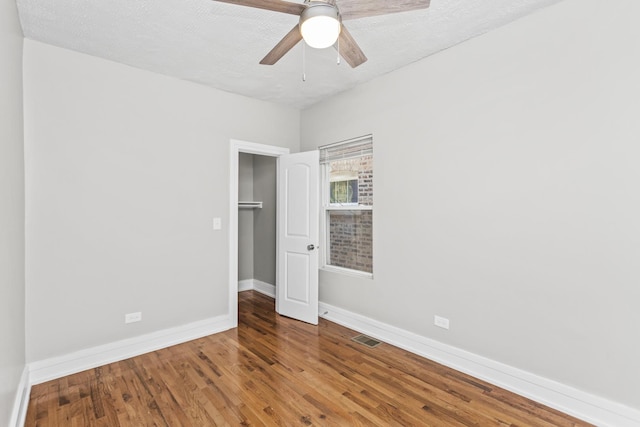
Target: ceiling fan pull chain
[304,74]
[338,63]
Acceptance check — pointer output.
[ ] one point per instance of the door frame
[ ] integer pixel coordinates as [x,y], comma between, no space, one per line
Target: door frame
[235,148]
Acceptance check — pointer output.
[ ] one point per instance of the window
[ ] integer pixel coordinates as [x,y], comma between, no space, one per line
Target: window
[347,201]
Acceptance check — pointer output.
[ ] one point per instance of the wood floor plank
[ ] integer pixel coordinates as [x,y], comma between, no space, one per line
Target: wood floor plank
[275,371]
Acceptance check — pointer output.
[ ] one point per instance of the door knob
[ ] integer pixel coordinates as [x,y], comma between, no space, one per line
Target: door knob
[310,247]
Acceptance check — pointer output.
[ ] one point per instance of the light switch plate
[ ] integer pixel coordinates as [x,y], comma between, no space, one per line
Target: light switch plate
[217,223]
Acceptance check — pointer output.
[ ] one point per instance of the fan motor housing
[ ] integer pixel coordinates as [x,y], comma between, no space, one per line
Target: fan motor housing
[320,9]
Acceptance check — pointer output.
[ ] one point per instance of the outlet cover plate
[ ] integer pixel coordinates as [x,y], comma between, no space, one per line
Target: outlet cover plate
[441,322]
[133,317]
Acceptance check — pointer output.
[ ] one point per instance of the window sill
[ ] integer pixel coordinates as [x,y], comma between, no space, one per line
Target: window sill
[347,272]
[349,208]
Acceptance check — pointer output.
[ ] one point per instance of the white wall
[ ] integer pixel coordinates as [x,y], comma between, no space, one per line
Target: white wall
[506,195]
[125,170]
[264,220]
[12,292]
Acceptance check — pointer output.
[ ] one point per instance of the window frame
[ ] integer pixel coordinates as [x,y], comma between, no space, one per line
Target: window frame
[326,207]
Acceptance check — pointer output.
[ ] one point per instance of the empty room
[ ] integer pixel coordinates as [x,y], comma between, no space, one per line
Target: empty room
[349,212]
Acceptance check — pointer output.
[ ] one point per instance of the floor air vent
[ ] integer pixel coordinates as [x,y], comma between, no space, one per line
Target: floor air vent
[365,340]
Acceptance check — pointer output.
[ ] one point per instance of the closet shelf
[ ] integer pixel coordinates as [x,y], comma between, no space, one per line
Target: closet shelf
[250,205]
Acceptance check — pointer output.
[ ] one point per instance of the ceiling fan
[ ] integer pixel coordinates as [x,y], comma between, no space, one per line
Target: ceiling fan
[321,23]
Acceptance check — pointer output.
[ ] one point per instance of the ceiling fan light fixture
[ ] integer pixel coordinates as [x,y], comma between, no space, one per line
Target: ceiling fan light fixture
[320,25]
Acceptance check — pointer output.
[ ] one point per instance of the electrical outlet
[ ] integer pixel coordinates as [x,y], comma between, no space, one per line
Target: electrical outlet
[441,322]
[133,317]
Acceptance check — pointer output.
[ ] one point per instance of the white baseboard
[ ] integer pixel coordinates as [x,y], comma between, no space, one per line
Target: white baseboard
[586,406]
[245,285]
[264,288]
[21,402]
[57,367]
[258,286]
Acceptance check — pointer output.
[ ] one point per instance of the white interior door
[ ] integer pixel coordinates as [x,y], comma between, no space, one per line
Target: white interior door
[297,272]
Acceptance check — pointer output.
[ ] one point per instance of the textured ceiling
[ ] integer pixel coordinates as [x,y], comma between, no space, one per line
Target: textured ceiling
[220,44]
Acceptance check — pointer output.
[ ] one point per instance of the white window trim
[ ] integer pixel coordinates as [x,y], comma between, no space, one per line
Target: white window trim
[347,207]
[346,271]
[324,219]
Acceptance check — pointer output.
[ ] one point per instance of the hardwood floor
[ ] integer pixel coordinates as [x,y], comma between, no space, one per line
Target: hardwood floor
[273,370]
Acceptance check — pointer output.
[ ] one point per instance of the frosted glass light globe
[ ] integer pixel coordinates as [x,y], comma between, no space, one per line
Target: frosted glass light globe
[320,25]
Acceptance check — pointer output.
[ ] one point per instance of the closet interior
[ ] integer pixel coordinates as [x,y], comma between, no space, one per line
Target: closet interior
[257,222]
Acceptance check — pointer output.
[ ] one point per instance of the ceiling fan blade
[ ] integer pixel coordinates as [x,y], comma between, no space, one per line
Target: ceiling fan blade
[350,50]
[285,45]
[353,9]
[275,5]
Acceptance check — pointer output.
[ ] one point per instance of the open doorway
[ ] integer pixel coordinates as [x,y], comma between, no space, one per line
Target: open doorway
[257,223]
[236,149]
